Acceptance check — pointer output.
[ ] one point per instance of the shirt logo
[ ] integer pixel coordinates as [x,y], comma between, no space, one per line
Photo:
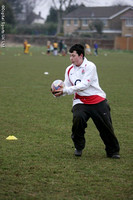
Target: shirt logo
[83,71]
[77,81]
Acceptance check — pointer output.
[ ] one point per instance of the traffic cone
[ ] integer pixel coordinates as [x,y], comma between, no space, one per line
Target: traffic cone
[11,137]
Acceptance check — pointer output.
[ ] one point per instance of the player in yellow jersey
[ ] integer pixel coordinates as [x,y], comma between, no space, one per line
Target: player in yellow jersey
[55,45]
[26,47]
[25,43]
[87,49]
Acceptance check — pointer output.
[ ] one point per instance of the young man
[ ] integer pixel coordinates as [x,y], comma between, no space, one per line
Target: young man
[89,101]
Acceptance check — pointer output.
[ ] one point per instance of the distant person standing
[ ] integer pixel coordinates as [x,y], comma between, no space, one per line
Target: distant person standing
[64,49]
[55,51]
[51,48]
[26,47]
[60,46]
[95,48]
[25,44]
[48,47]
[87,49]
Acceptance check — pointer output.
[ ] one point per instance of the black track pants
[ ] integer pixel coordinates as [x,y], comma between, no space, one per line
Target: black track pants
[100,114]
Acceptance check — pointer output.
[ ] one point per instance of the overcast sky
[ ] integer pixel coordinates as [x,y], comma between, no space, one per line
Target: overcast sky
[44,7]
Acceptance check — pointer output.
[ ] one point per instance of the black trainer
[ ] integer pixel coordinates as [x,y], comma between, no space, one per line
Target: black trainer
[114,156]
[78,152]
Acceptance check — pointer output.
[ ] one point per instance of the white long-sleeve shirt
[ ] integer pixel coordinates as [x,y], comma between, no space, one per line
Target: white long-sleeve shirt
[82,81]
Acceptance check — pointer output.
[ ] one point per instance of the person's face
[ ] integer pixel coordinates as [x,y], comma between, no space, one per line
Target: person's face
[76,59]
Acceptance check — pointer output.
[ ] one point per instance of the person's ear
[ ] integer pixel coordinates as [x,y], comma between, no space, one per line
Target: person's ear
[81,55]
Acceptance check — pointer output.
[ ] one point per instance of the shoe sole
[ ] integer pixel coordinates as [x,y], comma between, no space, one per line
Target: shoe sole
[78,153]
[116,157]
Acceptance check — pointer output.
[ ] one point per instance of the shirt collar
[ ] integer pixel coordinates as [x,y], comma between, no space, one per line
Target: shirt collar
[83,63]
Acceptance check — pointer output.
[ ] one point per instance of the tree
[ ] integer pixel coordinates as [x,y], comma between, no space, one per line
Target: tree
[61,5]
[52,17]
[29,6]
[57,11]
[8,15]
[98,25]
[71,8]
[16,6]
[22,6]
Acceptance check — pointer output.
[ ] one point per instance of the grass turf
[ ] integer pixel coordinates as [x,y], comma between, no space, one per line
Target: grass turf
[40,165]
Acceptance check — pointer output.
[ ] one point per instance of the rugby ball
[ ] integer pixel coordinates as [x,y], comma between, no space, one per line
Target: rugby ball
[56,85]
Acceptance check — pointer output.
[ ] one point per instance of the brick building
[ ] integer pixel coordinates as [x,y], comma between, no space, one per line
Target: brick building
[115,20]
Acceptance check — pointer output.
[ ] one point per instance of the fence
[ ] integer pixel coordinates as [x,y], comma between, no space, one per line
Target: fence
[123,43]
[42,40]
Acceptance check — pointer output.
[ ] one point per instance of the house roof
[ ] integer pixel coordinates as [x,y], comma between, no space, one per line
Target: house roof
[97,12]
[33,16]
[128,15]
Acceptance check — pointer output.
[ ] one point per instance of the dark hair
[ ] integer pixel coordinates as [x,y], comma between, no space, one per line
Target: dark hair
[78,48]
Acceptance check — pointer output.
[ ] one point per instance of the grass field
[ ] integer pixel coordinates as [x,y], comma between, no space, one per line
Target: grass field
[41,165]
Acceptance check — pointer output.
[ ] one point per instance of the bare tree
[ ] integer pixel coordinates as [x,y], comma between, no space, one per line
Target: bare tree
[61,5]
[28,6]
[22,8]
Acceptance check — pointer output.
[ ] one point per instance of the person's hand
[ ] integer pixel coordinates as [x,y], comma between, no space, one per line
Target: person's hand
[58,92]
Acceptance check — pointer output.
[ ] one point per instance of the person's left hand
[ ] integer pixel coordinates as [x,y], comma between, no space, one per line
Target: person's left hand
[57,93]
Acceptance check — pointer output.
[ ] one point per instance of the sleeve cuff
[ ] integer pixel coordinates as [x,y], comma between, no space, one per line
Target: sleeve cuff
[64,90]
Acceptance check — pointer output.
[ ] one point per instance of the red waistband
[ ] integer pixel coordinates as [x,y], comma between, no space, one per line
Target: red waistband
[94,99]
